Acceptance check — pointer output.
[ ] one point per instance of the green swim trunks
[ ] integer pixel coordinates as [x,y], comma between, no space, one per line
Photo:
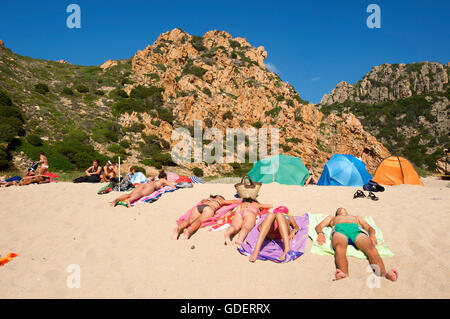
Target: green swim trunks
[350,230]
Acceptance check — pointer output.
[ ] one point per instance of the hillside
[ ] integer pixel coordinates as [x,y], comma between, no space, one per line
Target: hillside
[130,107]
[405,106]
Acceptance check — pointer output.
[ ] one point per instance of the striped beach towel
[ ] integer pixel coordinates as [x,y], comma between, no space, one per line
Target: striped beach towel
[197,180]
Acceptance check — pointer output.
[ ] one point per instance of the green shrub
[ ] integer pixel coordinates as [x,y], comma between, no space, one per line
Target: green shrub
[5,159]
[136,127]
[197,43]
[99,92]
[234,44]
[194,70]
[207,91]
[257,125]
[41,88]
[117,94]
[5,99]
[197,171]
[34,139]
[82,88]
[151,162]
[67,91]
[228,115]
[124,143]
[10,111]
[128,106]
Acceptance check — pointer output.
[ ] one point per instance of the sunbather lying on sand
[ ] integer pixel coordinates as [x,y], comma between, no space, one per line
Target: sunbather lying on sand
[276,225]
[144,189]
[205,210]
[244,219]
[353,230]
[35,179]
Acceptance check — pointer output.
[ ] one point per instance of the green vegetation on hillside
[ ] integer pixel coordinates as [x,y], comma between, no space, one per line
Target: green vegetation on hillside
[398,126]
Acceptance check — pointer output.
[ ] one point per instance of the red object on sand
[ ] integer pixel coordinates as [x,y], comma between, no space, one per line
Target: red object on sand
[52,175]
[7,259]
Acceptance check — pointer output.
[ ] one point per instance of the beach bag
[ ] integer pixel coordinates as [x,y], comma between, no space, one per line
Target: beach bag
[372,186]
[248,190]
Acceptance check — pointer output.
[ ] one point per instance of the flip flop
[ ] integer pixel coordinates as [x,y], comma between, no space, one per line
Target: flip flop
[372,196]
[359,194]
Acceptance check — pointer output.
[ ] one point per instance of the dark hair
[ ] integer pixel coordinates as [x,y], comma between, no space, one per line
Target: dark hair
[162,174]
[215,196]
[97,161]
[249,200]
[42,153]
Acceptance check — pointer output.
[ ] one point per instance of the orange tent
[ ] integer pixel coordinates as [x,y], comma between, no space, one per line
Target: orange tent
[396,170]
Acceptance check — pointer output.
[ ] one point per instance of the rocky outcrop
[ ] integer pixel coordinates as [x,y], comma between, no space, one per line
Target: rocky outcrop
[2,43]
[108,64]
[223,81]
[410,108]
[389,82]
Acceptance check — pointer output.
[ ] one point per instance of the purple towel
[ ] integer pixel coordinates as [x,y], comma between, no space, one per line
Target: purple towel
[272,249]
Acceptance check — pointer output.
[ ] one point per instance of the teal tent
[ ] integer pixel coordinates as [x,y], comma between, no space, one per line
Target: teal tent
[279,168]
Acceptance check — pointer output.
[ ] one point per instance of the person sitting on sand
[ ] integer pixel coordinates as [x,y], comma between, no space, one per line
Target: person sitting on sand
[144,189]
[244,219]
[92,174]
[278,224]
[44,163]
[206,209]
[311,179]
[109,171]
[353,230]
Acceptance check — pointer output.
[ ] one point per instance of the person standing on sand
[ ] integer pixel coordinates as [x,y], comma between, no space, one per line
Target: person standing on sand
[244,219]
[44,163]
[203,211]
[354,230]
[144,189]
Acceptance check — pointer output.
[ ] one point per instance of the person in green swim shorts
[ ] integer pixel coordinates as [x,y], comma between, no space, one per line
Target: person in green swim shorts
[352,230]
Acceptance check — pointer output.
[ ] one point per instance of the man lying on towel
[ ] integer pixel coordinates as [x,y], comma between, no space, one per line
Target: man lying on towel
[353,230]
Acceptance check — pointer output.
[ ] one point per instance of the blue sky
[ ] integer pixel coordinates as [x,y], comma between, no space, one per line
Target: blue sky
[312,44]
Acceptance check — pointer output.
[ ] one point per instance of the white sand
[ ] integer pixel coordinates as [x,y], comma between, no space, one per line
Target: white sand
[127,253]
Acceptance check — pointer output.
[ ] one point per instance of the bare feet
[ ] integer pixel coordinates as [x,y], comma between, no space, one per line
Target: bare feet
[114,203]
[392,275]
[128,204]
[253,257]
[283,257]
[339,274]
[175,234]
[186,234]
[227,239]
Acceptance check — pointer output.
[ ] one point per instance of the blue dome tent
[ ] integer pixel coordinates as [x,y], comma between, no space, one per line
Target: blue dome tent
[344,170]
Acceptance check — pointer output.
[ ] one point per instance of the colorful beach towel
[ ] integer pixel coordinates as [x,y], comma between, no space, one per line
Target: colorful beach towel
[197,180]
[172,177]
[153,197]
[327,249]
[139,178]
[272,249]
[209,221]
[225,222]
[7,259]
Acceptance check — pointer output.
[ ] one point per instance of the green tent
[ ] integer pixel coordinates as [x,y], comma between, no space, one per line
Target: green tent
[279,168]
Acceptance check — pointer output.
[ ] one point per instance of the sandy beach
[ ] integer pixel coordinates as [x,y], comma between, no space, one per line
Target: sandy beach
[127,253]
